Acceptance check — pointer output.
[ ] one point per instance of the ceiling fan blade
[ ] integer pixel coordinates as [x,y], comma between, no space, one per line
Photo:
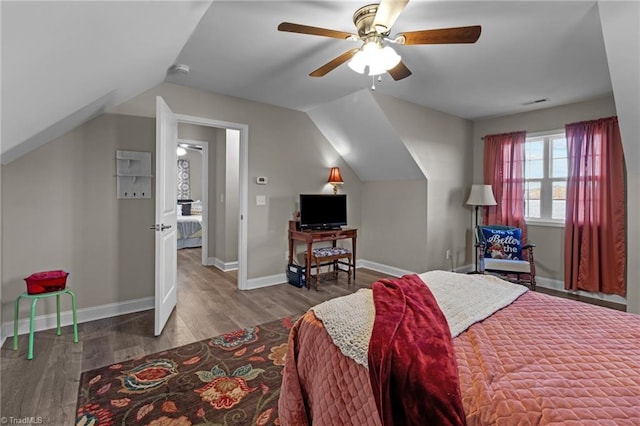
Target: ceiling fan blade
[400,71]
[334,63]
[388,12]
[305,29]
[442,36]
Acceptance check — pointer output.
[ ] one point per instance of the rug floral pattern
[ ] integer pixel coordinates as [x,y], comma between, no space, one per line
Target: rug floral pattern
[232,379]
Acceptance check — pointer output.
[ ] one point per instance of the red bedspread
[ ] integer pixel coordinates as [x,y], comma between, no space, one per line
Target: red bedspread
[541,360]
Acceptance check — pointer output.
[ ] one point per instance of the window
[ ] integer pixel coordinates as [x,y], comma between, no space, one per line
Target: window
[545,174]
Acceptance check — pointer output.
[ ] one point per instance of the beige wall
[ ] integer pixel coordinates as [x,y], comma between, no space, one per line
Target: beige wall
[549,251]
[440,144]
[394,225]
[284,145]
[60,212]
[60,208]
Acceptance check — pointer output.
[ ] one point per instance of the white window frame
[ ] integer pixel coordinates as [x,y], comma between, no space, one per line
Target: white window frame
[546,183]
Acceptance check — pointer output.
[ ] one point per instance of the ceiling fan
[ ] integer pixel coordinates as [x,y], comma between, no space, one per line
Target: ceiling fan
[374,23]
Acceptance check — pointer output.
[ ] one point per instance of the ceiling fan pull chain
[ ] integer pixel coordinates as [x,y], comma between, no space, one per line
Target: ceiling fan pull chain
[373,83]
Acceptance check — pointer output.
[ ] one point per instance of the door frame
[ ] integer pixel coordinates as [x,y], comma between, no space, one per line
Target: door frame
[243,184]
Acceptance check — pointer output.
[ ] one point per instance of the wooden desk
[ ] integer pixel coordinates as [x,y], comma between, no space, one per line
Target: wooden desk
[314,236]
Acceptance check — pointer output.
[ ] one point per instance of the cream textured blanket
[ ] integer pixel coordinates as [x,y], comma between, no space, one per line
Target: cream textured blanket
[464,300]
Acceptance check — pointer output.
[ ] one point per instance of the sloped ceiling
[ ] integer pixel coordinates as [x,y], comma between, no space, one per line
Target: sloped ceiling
[65,62]
[360,132]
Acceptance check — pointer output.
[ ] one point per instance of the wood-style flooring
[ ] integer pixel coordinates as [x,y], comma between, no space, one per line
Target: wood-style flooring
[209,304]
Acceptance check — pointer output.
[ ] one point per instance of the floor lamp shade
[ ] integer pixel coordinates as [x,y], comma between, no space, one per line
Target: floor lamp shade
[481,195]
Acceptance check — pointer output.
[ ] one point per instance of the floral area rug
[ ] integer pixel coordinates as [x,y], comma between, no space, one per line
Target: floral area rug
[232,379]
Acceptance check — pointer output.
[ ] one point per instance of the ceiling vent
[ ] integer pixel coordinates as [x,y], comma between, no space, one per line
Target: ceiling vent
[537,101]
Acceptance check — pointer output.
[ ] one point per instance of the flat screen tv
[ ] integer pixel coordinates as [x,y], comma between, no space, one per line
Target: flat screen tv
[323,211]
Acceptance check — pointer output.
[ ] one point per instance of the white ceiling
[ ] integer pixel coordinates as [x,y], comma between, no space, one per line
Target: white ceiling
[527,51]
[64,62]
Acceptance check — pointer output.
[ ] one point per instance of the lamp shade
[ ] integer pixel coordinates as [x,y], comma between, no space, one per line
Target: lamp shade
[334,176]
[481,195]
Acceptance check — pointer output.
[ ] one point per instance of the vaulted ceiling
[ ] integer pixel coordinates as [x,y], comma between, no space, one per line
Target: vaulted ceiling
[65,62]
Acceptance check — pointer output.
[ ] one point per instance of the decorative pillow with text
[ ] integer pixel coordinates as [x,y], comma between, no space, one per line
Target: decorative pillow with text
[502,243]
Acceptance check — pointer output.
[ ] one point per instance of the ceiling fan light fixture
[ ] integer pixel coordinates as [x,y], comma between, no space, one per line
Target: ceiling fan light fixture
[379,59]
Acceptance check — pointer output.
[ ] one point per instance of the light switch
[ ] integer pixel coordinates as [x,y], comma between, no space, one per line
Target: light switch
[261,200]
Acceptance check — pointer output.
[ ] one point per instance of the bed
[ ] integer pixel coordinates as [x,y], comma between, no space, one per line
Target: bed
[189,231]
[537,359]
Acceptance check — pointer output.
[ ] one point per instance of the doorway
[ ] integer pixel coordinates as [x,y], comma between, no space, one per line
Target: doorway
[193,194]
[241,140]
[167,121]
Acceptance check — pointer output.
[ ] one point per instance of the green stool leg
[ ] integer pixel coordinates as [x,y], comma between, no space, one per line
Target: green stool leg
[75,316]
[33,312]
[15,324]
[58,330]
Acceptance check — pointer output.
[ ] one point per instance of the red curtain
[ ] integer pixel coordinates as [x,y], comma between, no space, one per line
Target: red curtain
[504,171]
[595,241]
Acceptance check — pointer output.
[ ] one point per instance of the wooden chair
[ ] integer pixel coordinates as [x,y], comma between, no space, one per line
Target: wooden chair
[500,252]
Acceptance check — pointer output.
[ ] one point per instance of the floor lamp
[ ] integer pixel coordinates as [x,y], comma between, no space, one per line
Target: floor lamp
[481,195]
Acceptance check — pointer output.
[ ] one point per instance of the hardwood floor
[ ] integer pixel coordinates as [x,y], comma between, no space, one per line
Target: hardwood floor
[209,304]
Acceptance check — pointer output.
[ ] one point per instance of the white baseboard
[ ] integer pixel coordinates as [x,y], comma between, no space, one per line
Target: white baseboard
[276,279]
[464,269]
[559,286]
[385,269]
[48,321]
[223,266]
[267,281]
[398,272]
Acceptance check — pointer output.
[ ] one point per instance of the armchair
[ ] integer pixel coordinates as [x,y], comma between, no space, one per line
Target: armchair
[500,252]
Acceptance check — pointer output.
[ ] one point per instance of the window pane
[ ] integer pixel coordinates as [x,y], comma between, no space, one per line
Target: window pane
[558,205]
[534,159]
[559,163]
[532,199]
[558,209]
[534,150]
[559,167]
[534,169]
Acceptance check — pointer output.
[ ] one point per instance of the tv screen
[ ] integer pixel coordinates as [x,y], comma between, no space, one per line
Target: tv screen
[323,211]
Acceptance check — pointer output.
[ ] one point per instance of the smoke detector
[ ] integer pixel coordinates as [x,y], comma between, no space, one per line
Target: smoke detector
[179,69]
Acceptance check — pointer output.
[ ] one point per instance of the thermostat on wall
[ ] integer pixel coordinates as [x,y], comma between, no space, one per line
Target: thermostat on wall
[261,180]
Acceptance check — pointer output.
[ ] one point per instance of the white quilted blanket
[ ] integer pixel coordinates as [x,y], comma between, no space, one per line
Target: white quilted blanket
[464,300]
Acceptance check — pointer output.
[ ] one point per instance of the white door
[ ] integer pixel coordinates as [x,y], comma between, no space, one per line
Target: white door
[166,205]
